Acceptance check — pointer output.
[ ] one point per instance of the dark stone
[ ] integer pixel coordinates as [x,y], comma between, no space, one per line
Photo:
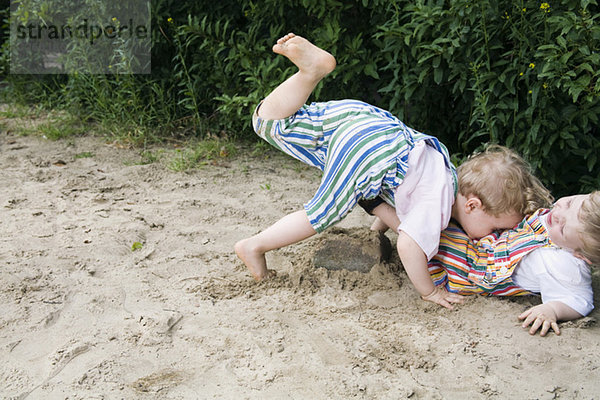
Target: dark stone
[353,250]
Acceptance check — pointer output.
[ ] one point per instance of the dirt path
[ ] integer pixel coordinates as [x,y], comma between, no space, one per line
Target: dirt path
[85,316]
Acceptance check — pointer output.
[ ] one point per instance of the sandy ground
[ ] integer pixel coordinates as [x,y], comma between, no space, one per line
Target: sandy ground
[86,317]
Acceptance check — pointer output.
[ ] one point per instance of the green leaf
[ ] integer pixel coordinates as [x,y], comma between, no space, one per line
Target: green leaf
[370,70]
[562,42]
[575,91]
[548,46]
[136,246]
[591,162]
[565,57]
[438,75]
[587,67]
[566,135]
[583,80]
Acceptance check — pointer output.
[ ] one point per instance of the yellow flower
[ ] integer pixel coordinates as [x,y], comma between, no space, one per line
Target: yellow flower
[521,74]
[170,20]
[531,65]
[524,10]
[545,85]
[530,91]
[545,7]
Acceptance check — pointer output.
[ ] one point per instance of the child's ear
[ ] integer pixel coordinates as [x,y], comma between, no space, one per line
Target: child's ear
[582,257]
[472,203]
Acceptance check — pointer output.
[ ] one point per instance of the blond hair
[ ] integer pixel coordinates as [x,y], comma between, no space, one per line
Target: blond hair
[589,215]
[503,181]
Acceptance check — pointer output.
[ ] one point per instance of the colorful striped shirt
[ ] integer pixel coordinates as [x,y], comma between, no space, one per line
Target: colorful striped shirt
[486,266]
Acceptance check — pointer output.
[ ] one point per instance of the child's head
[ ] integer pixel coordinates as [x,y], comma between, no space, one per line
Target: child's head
[574,223]
[496,190]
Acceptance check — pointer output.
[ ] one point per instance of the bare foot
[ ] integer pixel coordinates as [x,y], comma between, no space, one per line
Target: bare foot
[308,58]
[255,261]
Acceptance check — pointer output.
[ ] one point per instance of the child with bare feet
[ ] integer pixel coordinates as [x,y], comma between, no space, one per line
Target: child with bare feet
[369,156]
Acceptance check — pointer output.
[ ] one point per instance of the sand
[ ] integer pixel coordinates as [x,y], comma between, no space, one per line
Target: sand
[84,316]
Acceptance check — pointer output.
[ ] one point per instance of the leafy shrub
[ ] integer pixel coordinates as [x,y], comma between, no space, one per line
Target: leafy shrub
[521,73]
[524,74]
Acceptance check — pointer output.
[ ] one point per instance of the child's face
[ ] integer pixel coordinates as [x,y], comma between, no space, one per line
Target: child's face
[478,223]
[469,213]
[563,222]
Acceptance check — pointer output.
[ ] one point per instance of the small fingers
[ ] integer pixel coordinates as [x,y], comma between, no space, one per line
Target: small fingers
[537,323]
[528,320]
[455,298]
[525,314]
[545,327]
[442,301]
[445,303]
[443,298]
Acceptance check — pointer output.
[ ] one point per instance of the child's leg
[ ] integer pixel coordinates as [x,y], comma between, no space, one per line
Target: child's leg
[379,226]
[313,65]
[386,218]
[288,230]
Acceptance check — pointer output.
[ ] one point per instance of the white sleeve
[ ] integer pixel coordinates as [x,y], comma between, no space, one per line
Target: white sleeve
[424,198]
[558,276]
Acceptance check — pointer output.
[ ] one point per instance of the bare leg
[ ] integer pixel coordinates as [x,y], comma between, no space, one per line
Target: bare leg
[288,230]
[379,226]
[386,218]
[313,65]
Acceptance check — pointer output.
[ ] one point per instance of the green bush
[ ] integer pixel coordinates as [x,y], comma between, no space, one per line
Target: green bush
[520,73]
[524,74]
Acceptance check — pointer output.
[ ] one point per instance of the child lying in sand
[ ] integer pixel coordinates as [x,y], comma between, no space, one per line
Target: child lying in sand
[546,253]
[366,153]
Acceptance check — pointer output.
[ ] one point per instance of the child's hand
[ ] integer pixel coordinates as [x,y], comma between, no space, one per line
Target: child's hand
[444,298]
[541,317]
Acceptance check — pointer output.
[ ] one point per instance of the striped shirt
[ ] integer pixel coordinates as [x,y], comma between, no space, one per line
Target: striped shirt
[486,266]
